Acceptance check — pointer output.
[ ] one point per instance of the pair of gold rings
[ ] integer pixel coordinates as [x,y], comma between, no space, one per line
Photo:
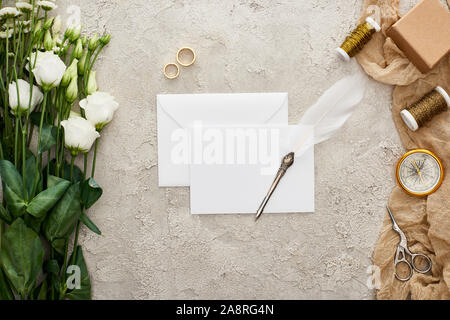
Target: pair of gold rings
[185,57]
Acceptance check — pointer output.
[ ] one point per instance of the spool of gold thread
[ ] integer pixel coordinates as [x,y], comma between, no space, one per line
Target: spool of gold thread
[433,103]
[359,37]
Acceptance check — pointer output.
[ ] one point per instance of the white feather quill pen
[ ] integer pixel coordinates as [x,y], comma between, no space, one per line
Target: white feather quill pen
[325,117]
[332,110]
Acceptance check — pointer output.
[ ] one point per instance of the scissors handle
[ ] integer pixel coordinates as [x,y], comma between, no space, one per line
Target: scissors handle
[400,258]
[426,258]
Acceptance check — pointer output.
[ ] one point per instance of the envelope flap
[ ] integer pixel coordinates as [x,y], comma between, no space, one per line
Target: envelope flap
[185,109]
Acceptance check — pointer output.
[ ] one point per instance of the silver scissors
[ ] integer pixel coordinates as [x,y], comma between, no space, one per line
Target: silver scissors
[403,253]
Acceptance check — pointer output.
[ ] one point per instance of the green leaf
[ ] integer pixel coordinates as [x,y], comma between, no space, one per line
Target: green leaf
[45,200]
[59,245]
[4,215]
[33,223]
[22,256]
[84,291]
[42,291]
[77,174]
[51,267]
[16,204]
[90,193]
[53,181]
[63,218]
[5,290]
[48,137]
[88,223]
[11,177]
[32,175]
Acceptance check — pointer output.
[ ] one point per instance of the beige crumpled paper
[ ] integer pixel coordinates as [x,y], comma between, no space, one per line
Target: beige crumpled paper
[426,222]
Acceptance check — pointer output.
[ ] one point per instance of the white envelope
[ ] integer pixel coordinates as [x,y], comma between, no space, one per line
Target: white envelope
[177,112]
[224,188]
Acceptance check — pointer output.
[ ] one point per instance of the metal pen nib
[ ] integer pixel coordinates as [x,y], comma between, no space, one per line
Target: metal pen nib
[286,163]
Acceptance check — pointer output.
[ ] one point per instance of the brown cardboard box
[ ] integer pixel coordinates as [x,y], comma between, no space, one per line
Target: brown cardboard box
[423,34]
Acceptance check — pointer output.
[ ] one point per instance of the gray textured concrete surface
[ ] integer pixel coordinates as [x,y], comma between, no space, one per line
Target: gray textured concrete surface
[153,248]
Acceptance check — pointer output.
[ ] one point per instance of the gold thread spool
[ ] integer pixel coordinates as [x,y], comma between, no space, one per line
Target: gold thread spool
[358,38]
[422,111]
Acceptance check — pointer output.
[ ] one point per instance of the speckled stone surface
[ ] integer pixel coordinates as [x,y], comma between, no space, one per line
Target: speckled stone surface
[153,248]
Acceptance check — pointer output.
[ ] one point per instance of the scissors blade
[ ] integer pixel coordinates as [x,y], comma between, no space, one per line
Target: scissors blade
[396,228]
[394,223]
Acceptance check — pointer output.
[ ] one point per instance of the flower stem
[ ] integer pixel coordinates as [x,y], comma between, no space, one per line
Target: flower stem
[85,166]
[6,113]
[41,124]
[24,158]
[64,268]
[95,158]
[16,142]
[39,162]
[71,168]
[77,230]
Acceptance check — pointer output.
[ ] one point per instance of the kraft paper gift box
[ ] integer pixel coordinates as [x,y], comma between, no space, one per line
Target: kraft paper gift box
[423,34]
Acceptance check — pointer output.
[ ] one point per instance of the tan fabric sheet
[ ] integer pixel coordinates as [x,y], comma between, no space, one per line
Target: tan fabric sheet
[426,222]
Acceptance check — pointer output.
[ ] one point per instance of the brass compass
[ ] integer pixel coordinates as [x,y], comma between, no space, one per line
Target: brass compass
[420,172]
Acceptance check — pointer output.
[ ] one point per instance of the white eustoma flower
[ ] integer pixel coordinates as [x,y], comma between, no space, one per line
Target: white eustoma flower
[49,69]
[24,6]
[24,95]
[79,134]
[4,34]
[9,12]
[99,108]
[47,5]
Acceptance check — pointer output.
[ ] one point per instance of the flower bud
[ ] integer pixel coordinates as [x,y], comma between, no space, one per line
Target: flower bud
[92,83]
[57,24]
[37,29]
[72,90]
[48,41]
[71,72]
[78,50]
[82,64]
[63,50]
[105,39]
[84,40]
[68,33]
[93,43]
[48,24]
[75,34]
[57,42]
[74,114]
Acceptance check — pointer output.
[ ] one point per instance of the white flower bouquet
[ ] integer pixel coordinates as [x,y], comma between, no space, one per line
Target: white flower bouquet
[45,197]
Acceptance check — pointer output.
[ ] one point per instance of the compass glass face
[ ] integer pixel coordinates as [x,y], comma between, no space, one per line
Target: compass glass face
[419,173]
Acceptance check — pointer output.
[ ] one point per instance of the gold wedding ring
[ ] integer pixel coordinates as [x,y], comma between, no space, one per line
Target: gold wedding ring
[171,75]
[186,56]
